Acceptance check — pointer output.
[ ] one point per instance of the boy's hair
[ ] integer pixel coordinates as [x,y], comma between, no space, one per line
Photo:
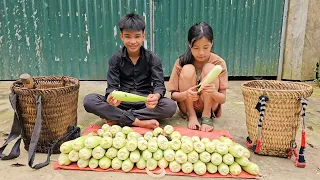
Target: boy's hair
[131,22]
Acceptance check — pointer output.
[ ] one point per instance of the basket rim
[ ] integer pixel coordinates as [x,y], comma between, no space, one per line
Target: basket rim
[76,85]
[308,87]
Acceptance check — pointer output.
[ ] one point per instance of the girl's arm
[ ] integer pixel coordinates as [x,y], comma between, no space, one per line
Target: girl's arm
[179,96]
[219,96]
[190,93]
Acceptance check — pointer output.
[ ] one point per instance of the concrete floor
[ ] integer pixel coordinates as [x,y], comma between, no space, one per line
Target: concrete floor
[233,119]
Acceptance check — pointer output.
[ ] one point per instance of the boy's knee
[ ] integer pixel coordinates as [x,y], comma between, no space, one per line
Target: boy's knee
[188,71]
[170,107]
[89,101]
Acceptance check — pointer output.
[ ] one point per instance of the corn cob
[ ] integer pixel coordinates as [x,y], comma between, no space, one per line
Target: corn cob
[127,97]
[211,76]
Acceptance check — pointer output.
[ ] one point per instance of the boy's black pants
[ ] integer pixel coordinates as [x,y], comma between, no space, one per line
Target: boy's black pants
[126,112]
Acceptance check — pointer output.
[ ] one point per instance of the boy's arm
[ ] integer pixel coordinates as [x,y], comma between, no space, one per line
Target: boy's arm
[157,77]
[113,76]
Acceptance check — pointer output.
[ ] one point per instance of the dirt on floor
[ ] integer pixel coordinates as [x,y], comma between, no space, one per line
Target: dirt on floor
[233,119]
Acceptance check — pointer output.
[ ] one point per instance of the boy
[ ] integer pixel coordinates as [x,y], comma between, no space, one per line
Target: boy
[136,70]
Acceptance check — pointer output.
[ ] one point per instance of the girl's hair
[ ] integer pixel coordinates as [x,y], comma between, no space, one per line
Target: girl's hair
[196,32]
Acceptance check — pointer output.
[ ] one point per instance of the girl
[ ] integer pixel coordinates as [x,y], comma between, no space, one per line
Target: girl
[189,70]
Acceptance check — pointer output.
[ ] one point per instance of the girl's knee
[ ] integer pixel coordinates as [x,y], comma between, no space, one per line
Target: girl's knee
[207,68]
[188,72]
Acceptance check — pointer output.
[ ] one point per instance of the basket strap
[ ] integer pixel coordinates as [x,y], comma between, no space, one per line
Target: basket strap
[261,106]
[73,131]
[300,161]
[36,134]
[16,131]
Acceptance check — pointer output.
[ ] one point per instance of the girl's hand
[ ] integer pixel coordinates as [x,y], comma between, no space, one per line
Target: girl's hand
[192,94]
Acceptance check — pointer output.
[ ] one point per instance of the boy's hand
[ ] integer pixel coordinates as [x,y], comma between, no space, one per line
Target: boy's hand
[192,94]
[112,101]
[152,100]
[209,89]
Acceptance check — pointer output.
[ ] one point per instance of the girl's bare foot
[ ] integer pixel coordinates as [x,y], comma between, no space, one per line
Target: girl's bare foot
[193,122]
[150,124]
[207,124]
[206,128]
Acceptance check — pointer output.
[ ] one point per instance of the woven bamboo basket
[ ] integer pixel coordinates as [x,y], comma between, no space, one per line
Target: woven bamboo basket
[59,108]
[282,115]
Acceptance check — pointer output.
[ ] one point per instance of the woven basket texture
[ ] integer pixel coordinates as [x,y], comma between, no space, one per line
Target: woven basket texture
[282,116]
[59,98]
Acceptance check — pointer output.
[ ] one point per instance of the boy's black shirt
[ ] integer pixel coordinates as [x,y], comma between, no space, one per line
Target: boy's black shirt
[146,76]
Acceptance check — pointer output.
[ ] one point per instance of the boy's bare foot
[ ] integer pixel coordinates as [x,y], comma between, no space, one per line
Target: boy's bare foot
[150,124]
[110,122]
[193,122]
